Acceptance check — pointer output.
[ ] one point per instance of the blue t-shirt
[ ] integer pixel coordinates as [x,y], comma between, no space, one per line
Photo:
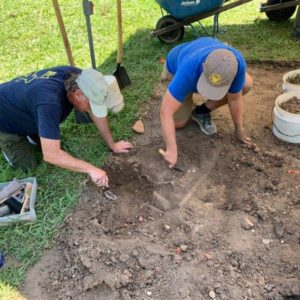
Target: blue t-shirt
[185,62]
[35,104]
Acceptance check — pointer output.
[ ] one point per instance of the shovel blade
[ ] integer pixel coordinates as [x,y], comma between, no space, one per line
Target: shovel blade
[122,77]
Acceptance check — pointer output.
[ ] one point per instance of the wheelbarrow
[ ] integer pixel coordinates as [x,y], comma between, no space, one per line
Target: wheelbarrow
[282,10]
[170,28]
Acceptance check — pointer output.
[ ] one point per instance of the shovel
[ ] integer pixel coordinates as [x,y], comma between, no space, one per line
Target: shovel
[80,117]
[120,72]
[88,10]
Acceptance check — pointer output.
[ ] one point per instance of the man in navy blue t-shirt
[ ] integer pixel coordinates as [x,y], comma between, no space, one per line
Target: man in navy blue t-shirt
[35,104]
[214,70]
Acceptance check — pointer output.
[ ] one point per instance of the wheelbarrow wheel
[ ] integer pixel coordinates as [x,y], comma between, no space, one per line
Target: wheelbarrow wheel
[172,36]
[280,15]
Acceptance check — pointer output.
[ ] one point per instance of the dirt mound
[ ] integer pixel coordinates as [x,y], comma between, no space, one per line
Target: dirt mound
[225,227]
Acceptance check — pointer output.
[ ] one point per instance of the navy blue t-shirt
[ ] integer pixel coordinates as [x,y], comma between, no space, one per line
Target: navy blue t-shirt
[35,104]
[185,62]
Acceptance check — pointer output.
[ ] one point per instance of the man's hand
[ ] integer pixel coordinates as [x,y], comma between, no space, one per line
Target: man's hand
[99,177]
[52,153]
[169,156]
[241,136]
[121,147]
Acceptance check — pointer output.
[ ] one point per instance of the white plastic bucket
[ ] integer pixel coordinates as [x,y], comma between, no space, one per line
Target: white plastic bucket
[115,100]
[286,125]
[290,87]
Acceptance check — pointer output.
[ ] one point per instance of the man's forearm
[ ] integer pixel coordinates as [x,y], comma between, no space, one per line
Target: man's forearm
[64,160]
[103,128]
[236,111]
[168,132]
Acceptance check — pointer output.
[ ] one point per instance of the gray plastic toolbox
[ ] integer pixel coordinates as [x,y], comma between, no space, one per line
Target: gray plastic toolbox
[28,216]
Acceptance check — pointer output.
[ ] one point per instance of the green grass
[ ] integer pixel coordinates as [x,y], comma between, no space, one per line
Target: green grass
[30,40]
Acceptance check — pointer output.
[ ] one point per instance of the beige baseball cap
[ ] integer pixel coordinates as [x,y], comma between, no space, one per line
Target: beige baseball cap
[94,86]
[219,71]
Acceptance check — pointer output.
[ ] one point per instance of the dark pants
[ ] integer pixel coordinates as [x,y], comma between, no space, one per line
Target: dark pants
[17,150]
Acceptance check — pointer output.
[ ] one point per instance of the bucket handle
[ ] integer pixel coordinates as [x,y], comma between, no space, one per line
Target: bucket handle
[285,133]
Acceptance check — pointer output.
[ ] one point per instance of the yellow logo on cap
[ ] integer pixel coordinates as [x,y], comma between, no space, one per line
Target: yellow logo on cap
[215,78]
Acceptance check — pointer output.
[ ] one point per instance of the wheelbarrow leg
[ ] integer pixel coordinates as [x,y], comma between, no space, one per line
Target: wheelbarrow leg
[203,28]
[195,31]
[216,27]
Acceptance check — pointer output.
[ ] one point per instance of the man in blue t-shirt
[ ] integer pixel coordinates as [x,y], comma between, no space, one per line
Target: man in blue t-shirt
[214,70]
[33,106]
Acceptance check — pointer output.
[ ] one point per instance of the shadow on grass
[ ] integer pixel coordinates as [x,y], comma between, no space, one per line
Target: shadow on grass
[260,40]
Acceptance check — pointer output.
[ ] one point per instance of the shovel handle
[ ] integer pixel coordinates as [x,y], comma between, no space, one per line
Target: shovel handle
[63,32]
[120,32]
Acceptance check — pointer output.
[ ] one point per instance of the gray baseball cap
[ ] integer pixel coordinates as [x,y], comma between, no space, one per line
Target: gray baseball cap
[219,70]
[95,88]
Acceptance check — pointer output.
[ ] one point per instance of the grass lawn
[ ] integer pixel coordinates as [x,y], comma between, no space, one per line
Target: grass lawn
[30,40]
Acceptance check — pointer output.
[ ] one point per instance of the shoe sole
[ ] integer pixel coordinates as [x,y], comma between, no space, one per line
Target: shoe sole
[201,127]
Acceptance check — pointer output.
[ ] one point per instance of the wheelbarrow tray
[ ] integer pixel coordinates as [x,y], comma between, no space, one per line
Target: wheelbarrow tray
[181,9]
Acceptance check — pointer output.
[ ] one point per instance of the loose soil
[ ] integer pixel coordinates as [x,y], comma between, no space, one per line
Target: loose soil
[294,80]
[292,105]
[225,228]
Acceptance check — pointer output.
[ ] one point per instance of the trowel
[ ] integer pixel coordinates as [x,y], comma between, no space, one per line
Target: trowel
[175,168]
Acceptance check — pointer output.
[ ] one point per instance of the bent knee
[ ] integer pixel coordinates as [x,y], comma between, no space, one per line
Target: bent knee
[180,123]
[248,84]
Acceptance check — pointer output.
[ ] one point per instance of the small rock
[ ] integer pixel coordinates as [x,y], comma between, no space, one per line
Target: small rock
[124,257]
[149,293]
[212,295]
[139,127]
[127,272]
[183,248]
[125,295]
[110,195]
[149,274]
[184,292]
[166,227]
[207,256]
[256,149]
[210,264]
[278,229]
[135,253]
[266,241]
[269,287]
[178,250]
[141,219]
[55,283]
[247,224]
